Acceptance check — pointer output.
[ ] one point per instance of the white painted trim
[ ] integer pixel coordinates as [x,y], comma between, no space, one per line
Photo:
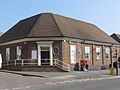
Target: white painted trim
[45,44]
[58,38]
[39,56]
[51,55]
[0,61]
[98,43]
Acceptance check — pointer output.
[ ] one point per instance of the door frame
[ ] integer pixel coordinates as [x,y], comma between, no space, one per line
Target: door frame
[45,44]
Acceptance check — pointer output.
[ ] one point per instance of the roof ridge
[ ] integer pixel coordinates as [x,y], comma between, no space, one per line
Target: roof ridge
[57,24]
[117,35]
[74,19]
[33,24]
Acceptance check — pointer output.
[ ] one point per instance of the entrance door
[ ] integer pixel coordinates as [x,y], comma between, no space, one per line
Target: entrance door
[45,56]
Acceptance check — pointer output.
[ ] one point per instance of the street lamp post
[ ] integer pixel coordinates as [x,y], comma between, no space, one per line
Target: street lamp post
[117,67]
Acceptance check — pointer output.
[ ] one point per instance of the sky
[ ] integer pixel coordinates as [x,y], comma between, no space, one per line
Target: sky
[103,13]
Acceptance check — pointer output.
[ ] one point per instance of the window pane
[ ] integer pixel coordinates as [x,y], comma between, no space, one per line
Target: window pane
[18,53]
[98,53]
[107,50]
[44,48]
[34,54]
[87,52]
[7,53]
[115,53]
[73,54]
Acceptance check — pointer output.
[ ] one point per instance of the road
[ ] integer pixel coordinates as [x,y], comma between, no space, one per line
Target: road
[10,81]
[110,84]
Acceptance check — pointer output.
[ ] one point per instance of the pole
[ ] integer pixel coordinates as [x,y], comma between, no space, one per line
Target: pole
[117,69]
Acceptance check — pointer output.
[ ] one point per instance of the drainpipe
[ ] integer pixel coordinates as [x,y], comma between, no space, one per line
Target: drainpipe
[103,55]
[111,55]
[93,54]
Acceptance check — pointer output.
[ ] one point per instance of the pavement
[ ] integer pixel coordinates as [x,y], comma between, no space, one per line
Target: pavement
[63,75]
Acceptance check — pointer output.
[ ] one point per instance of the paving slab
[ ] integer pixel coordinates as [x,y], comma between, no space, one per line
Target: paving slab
[62,75]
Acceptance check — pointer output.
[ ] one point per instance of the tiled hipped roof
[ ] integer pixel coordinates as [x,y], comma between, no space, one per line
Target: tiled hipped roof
[53,25]
[1,33]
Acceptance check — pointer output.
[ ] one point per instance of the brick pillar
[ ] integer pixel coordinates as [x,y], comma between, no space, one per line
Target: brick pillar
[82,51]
[65,52]
[103,54]
[111,55]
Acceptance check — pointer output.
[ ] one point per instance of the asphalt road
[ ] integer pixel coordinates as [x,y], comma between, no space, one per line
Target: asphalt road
[111,84]
[10,81]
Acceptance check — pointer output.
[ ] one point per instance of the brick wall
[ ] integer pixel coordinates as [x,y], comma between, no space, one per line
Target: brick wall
[13,50]
[64,52]
[93,62]
[57,44]
[97,61]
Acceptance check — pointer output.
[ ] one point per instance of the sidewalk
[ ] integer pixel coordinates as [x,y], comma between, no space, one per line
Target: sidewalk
[62,75]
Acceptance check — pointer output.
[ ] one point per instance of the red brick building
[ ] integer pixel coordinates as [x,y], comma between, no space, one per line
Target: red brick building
[51,42]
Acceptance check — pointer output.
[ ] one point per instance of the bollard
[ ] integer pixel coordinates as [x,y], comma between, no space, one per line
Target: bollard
[112,71]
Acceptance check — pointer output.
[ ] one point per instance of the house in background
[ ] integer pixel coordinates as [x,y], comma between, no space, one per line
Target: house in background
[116,50]
[51,42]
[116,37]
[1,33]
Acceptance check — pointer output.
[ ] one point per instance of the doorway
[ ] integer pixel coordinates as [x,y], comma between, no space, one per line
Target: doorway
[45,53]
[45,56]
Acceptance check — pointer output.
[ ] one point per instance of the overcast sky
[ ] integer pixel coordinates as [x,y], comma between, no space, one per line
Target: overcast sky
[103,13]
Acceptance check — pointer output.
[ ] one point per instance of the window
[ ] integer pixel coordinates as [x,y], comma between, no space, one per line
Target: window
[18,56]
[72,54]
[98,53]
[115,53]
[107,50]
[34,54]
[87,52]
[7,53]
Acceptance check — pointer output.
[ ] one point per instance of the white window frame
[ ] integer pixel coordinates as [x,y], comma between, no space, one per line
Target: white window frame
[107,51]
[115,53]
[98,53]
[72,54]
[87,52]
[7,53]
[18,53]
[34,54]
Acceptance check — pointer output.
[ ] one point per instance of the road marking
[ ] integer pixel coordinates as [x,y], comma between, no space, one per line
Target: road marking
[48,83]
[70,81]
[63,77]
[60,82]
[63,82]
[17,88]
[39,85]
[28,86]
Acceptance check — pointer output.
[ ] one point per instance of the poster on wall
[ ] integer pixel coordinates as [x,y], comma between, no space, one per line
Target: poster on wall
[73,54]
[98,53]
[107,50]
[34,54]
[87,52]
[7,53]
[18,53]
